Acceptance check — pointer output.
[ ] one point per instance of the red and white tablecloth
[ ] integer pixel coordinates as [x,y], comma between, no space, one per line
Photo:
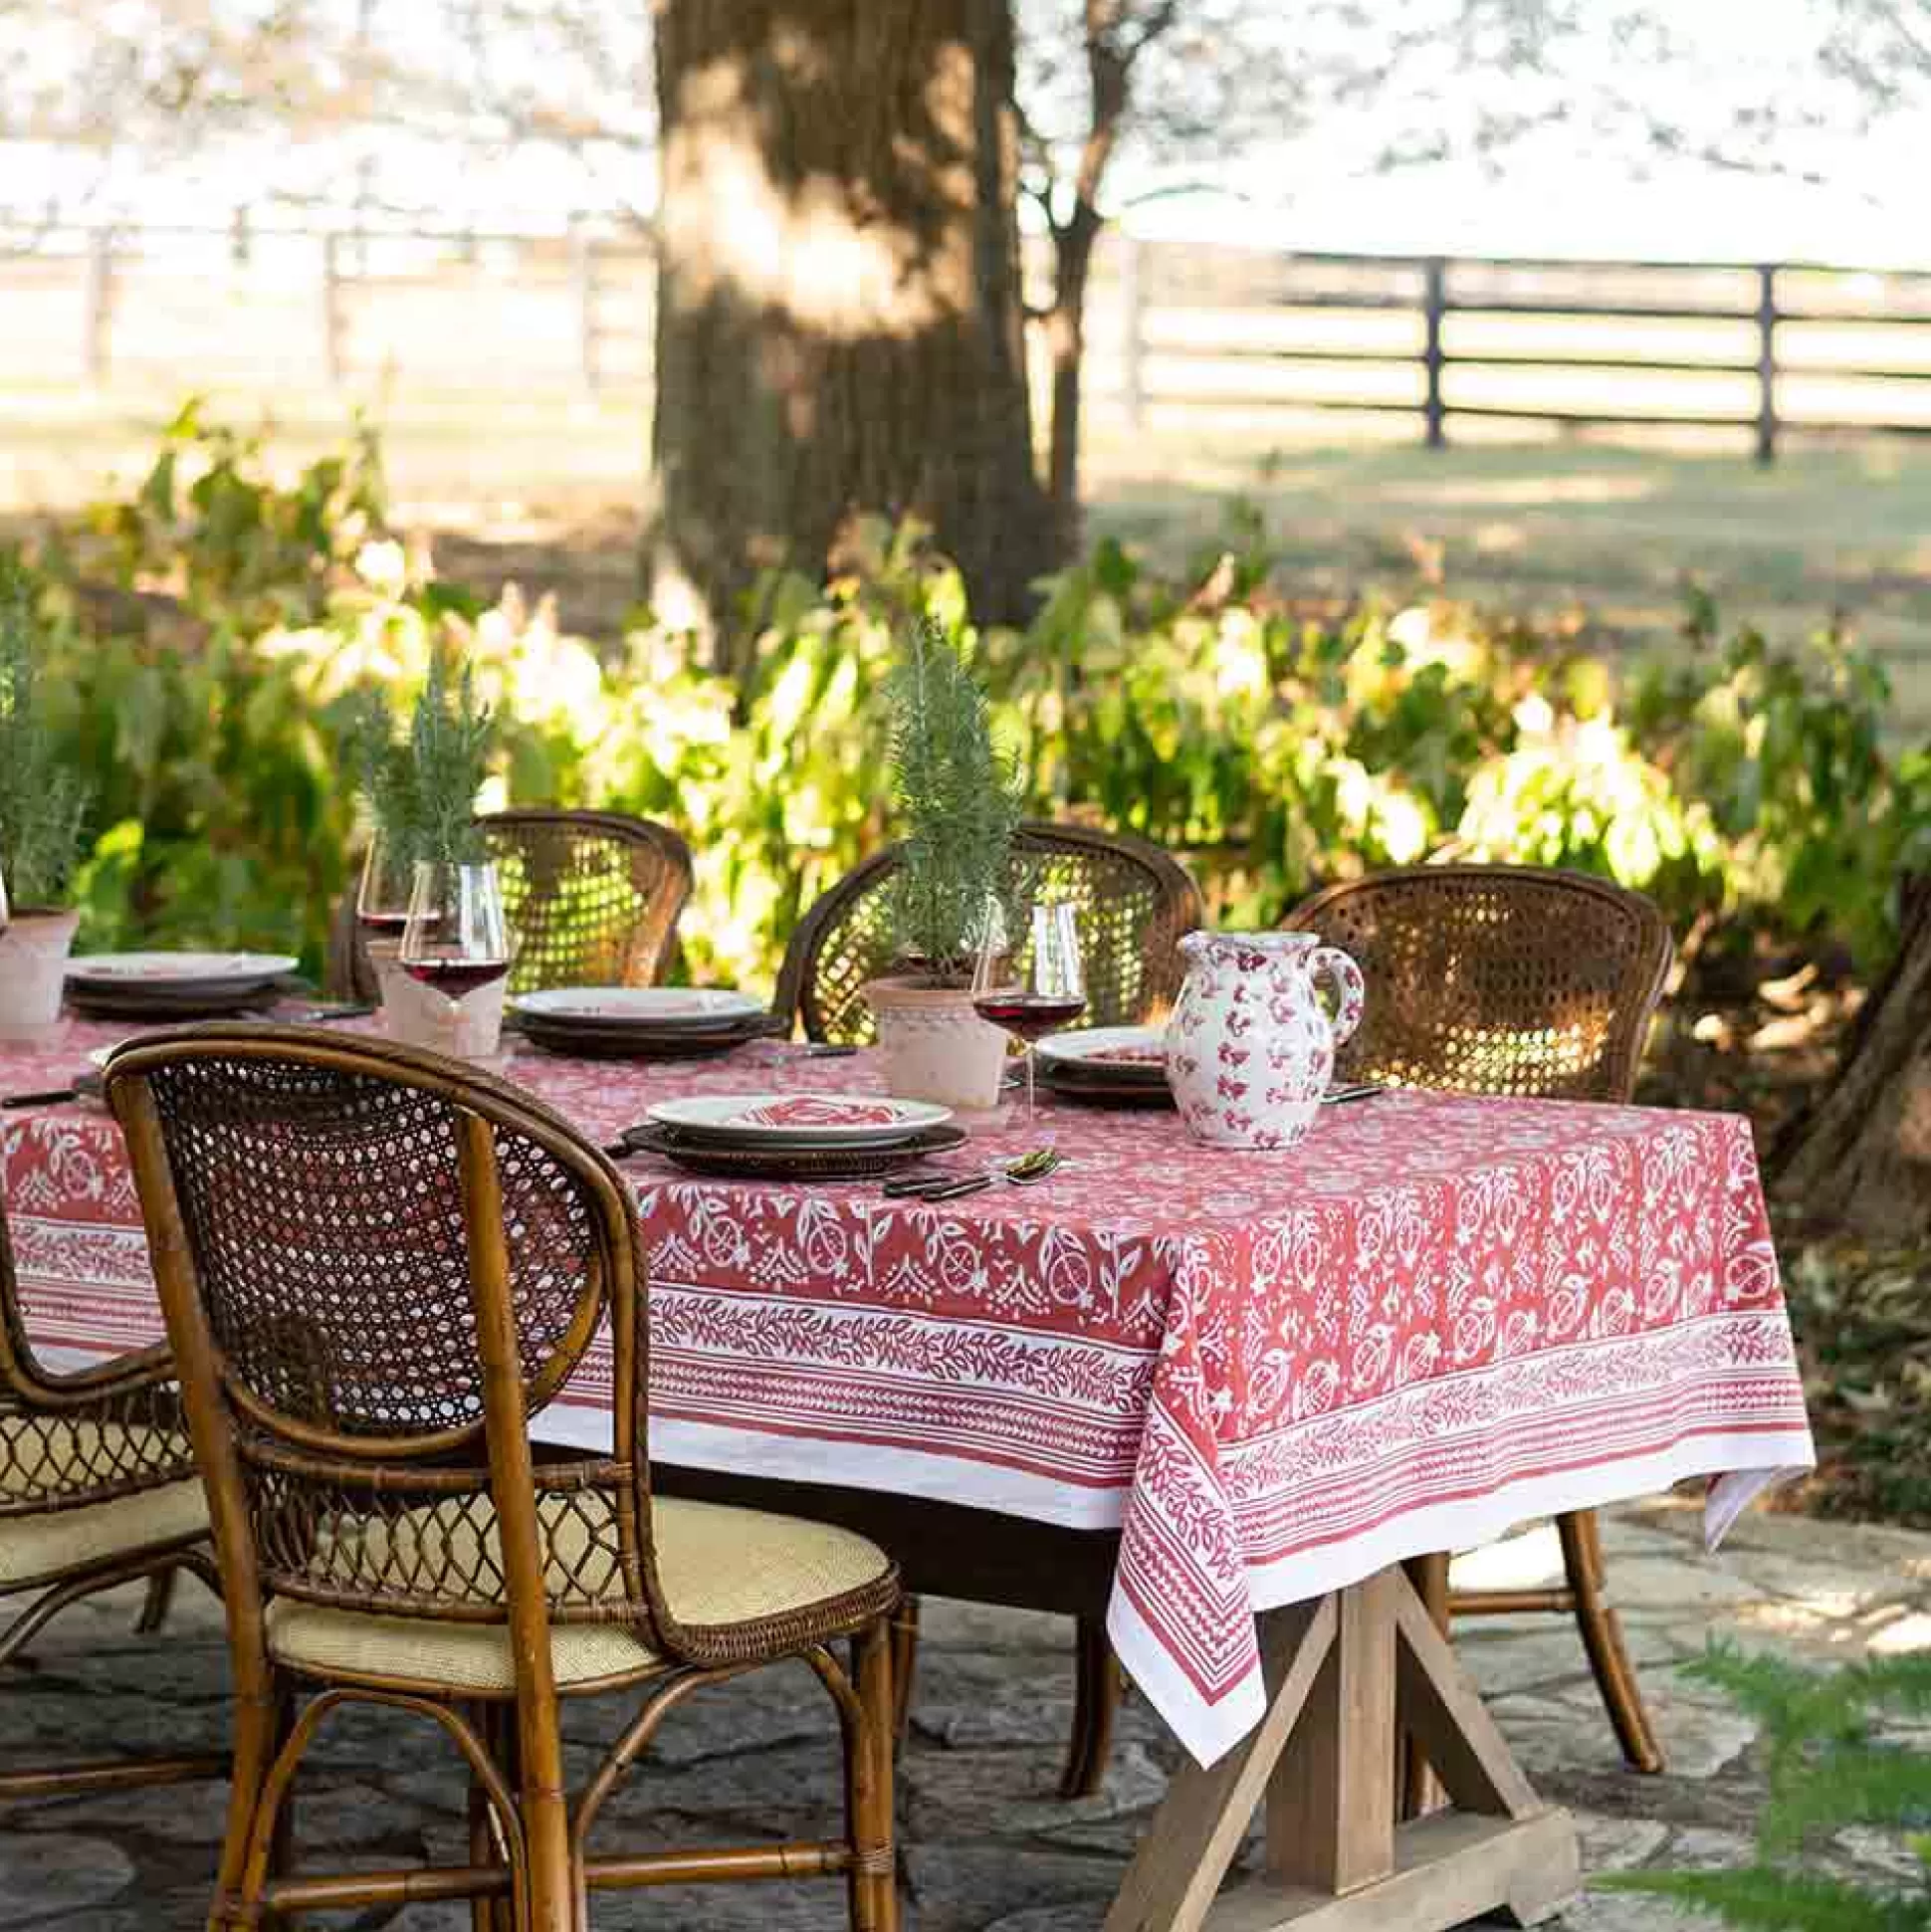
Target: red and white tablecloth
[1274,1372]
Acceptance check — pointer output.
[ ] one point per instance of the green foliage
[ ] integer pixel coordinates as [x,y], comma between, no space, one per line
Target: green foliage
[423,788]
[42,802]
[1828,1768]
[957,797]
[221,702]
[210,527]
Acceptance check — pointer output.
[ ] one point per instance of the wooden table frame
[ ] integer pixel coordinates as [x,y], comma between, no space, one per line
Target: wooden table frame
[1349,1677]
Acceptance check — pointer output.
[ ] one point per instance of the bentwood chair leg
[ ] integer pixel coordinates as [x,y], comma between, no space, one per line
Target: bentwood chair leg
[1615,1676]
[1096,1701]
[155,1606]
[868,1783]
[256,1721]
[1417,1789]
[488,1914]
[904,1666]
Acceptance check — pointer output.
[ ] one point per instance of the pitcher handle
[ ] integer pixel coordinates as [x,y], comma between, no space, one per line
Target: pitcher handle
[1350,988]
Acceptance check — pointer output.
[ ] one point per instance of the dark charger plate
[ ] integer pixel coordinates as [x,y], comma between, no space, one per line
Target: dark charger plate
[1104,1089]
[593,1041]
[789,1164]
[95,1002]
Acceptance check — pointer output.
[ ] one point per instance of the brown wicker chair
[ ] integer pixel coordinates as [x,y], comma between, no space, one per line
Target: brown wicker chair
[377,1267]
[1136,902]
[1509,980]
[594,897]
[97,1488]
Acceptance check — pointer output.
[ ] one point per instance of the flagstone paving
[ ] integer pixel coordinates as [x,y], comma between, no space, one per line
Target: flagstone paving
[987,1847]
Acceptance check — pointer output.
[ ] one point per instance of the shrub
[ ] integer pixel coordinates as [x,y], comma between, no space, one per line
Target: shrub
[1740,786]
[1829,1769]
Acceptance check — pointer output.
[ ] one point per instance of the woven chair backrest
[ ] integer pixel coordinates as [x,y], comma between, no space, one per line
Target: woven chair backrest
[1497,978]
[1134,904]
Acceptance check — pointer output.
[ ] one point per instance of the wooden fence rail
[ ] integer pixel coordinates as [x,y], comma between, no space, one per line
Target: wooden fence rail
[1756,349]
[1521,318]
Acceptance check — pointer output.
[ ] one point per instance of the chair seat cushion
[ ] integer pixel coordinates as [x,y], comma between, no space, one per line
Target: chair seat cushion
[49,1544]
[719,1568]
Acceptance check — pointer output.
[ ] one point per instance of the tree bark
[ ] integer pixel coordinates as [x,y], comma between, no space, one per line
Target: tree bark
[1863,1155]
[1073,247]
[840,324]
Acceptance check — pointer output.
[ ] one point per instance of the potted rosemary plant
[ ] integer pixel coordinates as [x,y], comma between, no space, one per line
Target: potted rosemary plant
[431,907]
[957,799]
[43,812]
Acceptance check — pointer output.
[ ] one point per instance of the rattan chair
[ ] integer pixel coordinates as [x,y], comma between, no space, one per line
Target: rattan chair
[1135,904]
[1510,979]
[376,1268]
[97,1488]
[592,898]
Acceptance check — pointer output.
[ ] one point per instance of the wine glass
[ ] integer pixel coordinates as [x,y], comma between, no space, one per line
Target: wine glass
[1038,996]
[454,938]
[5,915]
[389,881]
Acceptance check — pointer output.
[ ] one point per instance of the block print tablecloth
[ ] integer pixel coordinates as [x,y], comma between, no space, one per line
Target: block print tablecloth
[1273,1373]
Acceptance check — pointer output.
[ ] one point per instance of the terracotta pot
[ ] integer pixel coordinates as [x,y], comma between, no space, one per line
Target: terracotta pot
[33,968]
[1249,1050]
[934,1045]
[470,1028]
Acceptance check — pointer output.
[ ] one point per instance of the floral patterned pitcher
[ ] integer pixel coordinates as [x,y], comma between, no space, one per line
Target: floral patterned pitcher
[1249,1051]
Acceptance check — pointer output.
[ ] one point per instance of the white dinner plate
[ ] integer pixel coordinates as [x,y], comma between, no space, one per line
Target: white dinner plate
[178,972]
[1124,1050]
[661,1008]
[793,1120]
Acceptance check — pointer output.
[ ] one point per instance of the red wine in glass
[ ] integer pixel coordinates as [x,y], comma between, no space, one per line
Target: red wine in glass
[455,977]
[1046,991]
[1027,1016]
[383,925]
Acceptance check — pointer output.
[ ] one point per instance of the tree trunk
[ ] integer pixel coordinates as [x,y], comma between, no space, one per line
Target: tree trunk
[1066,342]
[839,322]
[1863,1155]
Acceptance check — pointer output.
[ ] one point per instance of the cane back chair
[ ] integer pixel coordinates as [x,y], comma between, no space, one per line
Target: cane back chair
[377,1267]
[1134,905]
[97,1488]
[1510,979]
[592,898]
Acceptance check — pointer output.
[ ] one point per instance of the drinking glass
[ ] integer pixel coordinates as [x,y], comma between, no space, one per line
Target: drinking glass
[4,915]
[389,881]
[1038,994]
[454,938]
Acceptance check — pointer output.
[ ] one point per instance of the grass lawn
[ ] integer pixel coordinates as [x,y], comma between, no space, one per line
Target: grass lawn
[547,492]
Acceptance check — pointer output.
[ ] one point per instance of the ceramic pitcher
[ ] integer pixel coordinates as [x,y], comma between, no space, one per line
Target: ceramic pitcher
[1249,1050]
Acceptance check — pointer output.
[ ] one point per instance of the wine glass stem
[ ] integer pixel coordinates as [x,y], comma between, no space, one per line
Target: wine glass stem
[1031,1052]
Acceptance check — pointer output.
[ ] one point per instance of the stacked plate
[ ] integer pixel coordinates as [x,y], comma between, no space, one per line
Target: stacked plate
[642,1022]
[795,1137]
[163,986]
[1110,1066]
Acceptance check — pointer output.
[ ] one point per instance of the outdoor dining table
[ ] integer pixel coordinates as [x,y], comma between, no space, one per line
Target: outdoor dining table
[1217,1396]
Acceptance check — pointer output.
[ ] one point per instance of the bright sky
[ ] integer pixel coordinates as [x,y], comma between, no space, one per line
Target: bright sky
[1822,186]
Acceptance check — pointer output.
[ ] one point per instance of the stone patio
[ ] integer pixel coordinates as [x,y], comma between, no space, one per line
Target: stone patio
[987,1847]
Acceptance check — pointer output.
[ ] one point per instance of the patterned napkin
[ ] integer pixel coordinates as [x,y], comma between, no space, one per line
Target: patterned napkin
[816,1109]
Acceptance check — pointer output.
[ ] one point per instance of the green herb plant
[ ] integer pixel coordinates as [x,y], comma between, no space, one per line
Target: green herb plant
[422,787]
[958,801]
[43,804]
[1830,1767]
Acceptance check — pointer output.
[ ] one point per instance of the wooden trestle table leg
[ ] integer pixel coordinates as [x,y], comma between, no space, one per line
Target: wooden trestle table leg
[1347,1676]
